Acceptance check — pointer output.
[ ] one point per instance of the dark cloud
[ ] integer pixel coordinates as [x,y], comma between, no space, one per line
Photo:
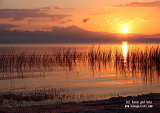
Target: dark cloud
[85,20]
[30,21]
[8,26]
[65,21]
[58,7]
[55,18]
[20,14]
[140,4]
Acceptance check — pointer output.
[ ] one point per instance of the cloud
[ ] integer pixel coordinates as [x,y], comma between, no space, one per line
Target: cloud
[100,13]
[8,26]
[20,14]
[143,20]
[140,4]
[30,21]
[58,7]
[127,22]
[65,21]
[37,21]
[55,18]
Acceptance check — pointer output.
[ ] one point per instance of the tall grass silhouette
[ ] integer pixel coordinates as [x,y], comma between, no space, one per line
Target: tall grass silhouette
[144,62]
[13,98]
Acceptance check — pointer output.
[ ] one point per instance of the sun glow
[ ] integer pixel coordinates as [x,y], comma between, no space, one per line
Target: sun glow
[125,50]
[124,30]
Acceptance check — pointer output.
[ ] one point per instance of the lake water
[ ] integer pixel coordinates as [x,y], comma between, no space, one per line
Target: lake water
[82,75]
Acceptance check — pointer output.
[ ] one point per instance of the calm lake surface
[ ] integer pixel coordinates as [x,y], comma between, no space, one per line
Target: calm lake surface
[82,75]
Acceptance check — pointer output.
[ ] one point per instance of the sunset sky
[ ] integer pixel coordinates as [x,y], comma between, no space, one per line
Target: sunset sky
[140,17]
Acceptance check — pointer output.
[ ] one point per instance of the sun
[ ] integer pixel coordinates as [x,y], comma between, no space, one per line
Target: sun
[124,30]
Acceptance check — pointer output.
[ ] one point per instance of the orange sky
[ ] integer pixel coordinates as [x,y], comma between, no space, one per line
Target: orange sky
[142,17]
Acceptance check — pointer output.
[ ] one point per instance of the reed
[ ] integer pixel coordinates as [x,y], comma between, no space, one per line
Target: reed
[40,95]
[99,58]
[144,63]
[15,64]
[24,62]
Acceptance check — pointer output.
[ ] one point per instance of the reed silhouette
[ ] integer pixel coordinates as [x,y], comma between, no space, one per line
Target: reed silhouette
[14,98]
[144,63]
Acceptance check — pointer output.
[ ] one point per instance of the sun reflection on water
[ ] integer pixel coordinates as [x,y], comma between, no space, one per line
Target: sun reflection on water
[125,50]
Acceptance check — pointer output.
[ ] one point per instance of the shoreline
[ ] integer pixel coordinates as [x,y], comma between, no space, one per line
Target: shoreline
[145,102]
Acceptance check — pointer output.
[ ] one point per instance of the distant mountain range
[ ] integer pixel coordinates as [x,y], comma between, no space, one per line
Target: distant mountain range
[71,34]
